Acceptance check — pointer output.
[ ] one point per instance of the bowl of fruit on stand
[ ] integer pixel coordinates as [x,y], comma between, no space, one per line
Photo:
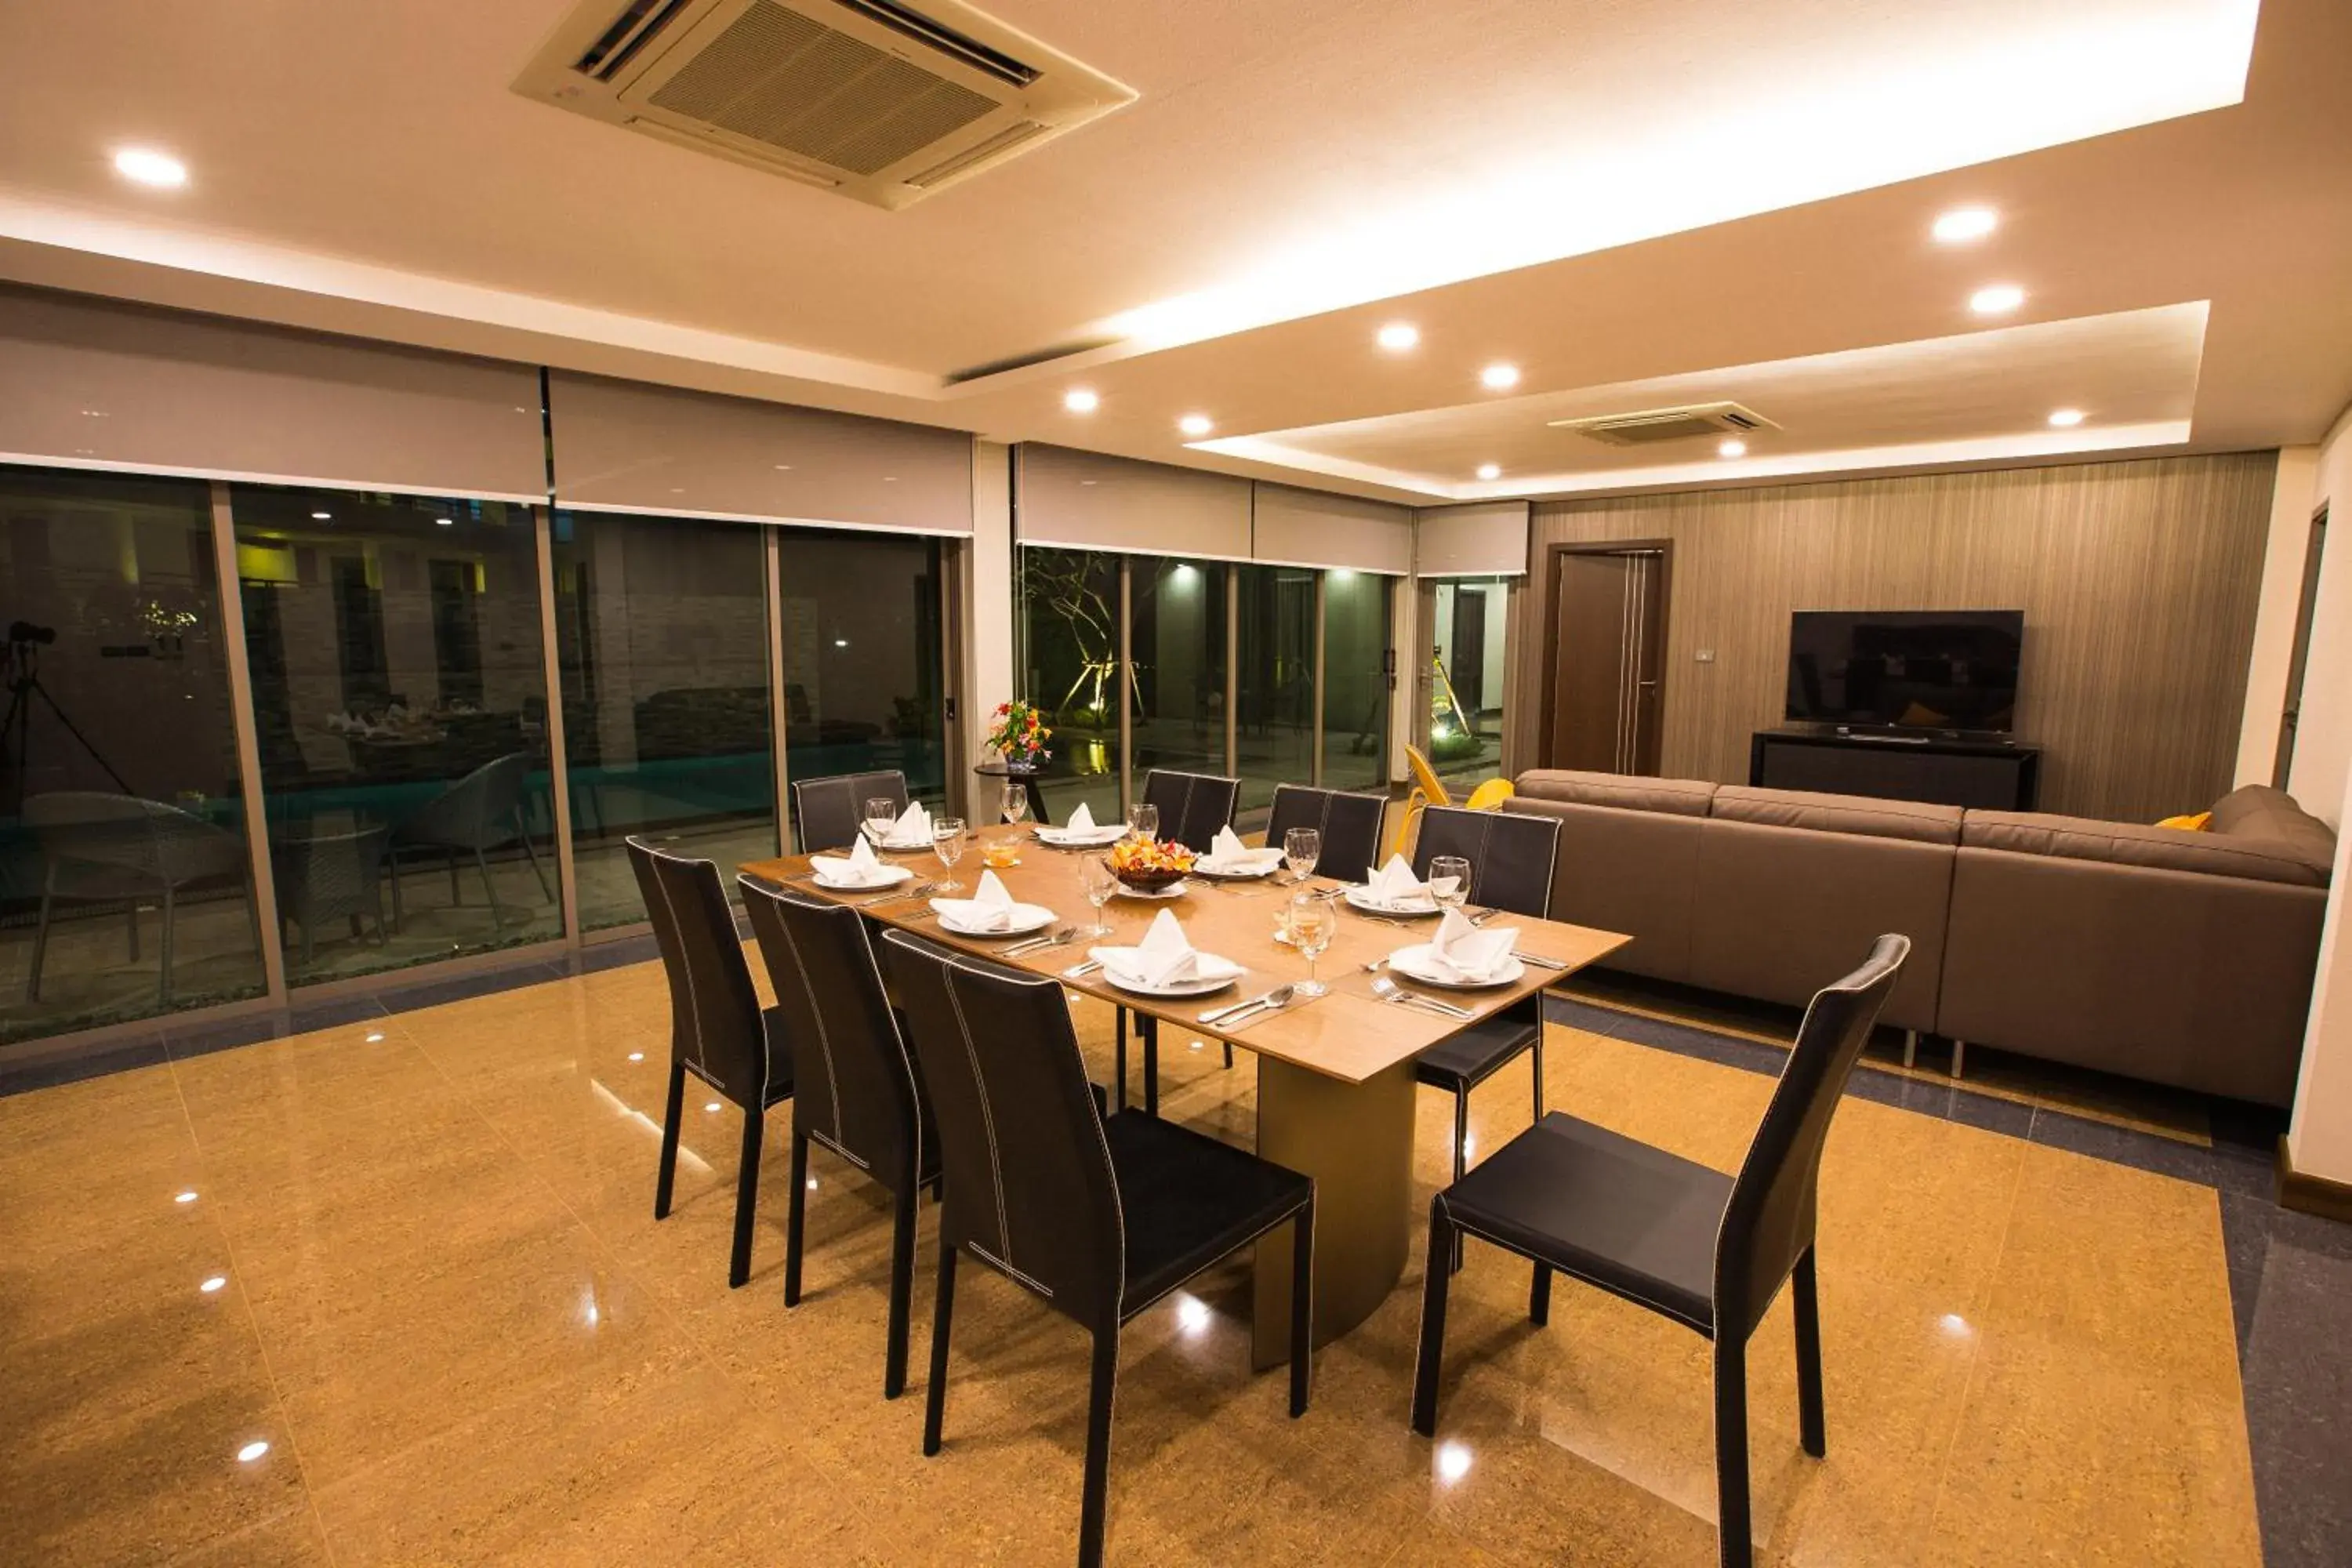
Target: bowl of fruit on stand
[1144,866]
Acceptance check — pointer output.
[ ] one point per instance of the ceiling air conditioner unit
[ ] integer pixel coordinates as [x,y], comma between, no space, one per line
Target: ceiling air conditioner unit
[1668,423]
[873,99]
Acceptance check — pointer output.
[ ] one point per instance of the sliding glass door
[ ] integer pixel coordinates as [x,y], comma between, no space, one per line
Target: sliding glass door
[1071,667]
[1356,668]
[1463,670]
[1176,639]
[1273,687]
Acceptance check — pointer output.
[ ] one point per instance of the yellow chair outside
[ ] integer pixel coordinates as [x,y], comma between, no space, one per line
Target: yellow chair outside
[1428,790]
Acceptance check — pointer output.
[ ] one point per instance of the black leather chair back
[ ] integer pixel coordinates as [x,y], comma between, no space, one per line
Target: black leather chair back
[1511,856]
[715,1024]
[1768,1221]
[1029,1182]
[1350,826]
[853,1081]
[1193,806]
[831,809]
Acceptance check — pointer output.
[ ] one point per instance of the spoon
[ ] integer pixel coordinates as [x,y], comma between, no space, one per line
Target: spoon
[1273,1001]
[1060,936]
[1388,990]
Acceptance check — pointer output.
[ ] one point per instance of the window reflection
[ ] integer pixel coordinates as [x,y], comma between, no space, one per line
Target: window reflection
[1275,689]
[1355,680]
[125,888]
[662,646]
[1178,644]
[862,657]
[1470,617]
[1070,624]
[401,705]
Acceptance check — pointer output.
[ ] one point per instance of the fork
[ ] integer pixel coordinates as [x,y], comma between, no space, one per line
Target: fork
[1060,936]
[1388,990]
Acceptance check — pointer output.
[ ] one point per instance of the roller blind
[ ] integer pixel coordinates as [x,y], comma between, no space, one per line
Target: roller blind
[1085,501]
[1485,539]
[627,446]
[1313,527]
[89,383]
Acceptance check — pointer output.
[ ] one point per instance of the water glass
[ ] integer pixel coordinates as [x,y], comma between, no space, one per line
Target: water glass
[1301,848]
[947,843]
[1454,867]
[1100,885]
[1143,820]
[1015,804]
[1312,923]
[881,816]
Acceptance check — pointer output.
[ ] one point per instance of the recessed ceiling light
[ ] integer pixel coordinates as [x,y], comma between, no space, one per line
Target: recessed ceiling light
[2066,418]
[1997,300]
[213,1284]
[251,1452]
[1196,425]
[1733,447]
[1490,471]
[149,167]
[322,515]
[186,1198]
[1964,224]
[1081,400]
[1499,376]
[1399,336]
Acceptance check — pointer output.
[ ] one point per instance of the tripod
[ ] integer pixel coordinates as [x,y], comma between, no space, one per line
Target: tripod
[20,669]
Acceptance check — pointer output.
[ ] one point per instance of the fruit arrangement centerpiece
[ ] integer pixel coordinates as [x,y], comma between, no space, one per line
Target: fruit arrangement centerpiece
[1146,866]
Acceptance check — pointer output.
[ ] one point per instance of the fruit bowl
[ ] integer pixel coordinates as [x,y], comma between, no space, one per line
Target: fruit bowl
[1147,867]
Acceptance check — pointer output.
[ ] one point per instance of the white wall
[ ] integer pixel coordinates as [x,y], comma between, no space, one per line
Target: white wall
[2282,563]
[988,616]
[2319,1143]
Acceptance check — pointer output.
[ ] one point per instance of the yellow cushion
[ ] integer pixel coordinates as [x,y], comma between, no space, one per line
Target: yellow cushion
[2192,824]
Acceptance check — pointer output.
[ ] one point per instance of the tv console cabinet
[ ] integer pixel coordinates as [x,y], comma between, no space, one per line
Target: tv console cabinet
[1994,775]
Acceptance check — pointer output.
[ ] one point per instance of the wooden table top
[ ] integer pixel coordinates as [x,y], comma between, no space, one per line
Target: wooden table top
[1346,1034]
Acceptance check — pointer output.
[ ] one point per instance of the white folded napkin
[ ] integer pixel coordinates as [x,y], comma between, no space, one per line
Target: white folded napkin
[1081,820]
[1460,951]
[862,868]
[1228,854]
[1081,829]
[1164,957]
[911,831]
[1395,886]
[991,908]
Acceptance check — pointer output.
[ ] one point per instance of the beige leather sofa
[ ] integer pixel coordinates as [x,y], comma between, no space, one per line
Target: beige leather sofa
[2178,958]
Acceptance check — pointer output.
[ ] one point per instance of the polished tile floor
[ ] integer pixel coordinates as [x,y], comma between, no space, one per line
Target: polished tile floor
[414,1255]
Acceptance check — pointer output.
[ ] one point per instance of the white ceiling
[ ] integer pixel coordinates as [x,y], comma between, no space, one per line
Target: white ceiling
[1613,198]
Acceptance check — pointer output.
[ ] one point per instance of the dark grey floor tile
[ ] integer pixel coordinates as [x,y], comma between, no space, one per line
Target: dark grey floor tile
[146,1050]
[226,1033]
[618,954]
[2124,1146]
[460,987]
[1729,1050]
[328,1011]
[1576,1015]
[2295,1365]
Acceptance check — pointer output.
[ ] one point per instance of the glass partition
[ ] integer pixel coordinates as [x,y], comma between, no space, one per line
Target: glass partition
[125,886]
[1355,679]
[399,700]
[1177,613]
[661,644]
[1274,689]
[863,656]
[1069,664]
[1469,619]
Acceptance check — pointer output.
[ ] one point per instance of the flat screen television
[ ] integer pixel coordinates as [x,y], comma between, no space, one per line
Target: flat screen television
[1906,670]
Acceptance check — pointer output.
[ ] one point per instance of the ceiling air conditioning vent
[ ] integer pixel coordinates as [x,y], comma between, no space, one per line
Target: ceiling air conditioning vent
[870,98]
[1654,424]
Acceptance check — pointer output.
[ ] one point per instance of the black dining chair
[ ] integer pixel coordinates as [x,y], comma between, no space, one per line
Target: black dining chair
[1689,1243]
[1100,1217]
[1511,862]
[856,1092]
[1193,806]
[831,810]
[1349,824]
[718,1031]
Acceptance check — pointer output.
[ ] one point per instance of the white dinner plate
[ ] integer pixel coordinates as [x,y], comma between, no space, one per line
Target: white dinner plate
[1062,837]
[1414,963]
[890,877]
[1172,890]
[1239,874]
[1358,898]
[1181,988]
[1026,918]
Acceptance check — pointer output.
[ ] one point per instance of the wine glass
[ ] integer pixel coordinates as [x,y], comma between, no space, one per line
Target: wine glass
[947,843]
[1015,804]
[881,816]
[1143,820]
[1312,923]
[1454,867]
[1100,884]
[1301,848]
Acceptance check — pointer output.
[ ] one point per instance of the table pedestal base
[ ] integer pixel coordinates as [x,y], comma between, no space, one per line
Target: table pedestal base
[1356,1141]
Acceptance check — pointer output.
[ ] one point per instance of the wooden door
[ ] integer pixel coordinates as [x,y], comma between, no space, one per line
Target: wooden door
[1608,648]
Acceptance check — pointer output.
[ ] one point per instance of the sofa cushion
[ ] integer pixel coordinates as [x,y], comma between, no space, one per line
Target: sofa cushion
[1626,791]
[2261,815]
[1912,819]
[2131,844]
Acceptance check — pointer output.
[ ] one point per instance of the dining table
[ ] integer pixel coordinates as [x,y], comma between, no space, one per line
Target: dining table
[1335,1074]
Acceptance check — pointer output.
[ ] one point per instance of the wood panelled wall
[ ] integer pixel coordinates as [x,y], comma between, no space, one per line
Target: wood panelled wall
[2138,581]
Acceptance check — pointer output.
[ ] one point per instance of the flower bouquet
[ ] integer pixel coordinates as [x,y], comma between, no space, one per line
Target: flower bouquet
[1017,731]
